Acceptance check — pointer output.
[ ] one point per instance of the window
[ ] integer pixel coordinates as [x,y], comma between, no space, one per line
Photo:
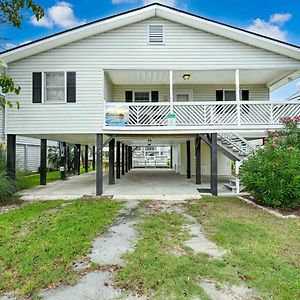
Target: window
[142,97]
[229,95]
[54,87]
[156,34]
[183,96]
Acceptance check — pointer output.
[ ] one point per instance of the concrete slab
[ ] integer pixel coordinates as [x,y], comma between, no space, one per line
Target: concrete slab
[140,184]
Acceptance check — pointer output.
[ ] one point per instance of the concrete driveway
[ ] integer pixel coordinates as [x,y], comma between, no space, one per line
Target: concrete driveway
[138,183]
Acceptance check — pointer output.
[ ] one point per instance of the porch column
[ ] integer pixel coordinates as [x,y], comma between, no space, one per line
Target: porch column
[123,159]
[118,162]
[68,162]
[129,158]
[62,151]
[94,158]
[77,159]
[237,95]
[11,156]
[43,162]
[171,92]
[131,154]
[188,159]
[111,170]
[171,157]
[99,165]
[214,165]
[126,158]
[86,158]
[198,159]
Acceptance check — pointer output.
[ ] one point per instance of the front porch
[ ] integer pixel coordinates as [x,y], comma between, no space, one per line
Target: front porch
[187,101]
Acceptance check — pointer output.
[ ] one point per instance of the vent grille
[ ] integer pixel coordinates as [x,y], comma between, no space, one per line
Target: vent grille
[156,34]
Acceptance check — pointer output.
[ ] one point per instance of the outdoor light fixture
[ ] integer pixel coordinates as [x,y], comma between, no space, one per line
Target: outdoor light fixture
[149,142]
[186,76]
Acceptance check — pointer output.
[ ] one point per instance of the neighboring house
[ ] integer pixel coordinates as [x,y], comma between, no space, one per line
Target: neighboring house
[27,149]
[156,72]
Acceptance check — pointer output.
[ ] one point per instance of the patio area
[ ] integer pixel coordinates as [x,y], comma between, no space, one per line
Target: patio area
[137,184]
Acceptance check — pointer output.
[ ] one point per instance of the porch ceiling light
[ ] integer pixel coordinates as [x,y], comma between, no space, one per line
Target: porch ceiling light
[186,76]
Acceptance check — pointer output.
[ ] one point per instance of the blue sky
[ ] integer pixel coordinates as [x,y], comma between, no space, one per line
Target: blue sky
[276,18]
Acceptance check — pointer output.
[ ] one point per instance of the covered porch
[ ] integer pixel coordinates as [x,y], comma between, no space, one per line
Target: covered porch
[145,100]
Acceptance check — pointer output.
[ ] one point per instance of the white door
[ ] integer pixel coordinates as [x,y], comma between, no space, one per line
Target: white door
[183,95]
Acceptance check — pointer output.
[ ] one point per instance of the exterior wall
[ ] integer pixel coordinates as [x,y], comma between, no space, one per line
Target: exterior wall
[123,48]
[200,92]
[108,89]
[224,163]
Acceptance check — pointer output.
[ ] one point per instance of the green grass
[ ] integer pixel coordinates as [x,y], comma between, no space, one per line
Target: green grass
[30,181]
[265,249]
[154,270]
[40,241]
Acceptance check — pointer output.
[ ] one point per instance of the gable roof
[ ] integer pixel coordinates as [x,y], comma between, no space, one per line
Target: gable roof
[145,12]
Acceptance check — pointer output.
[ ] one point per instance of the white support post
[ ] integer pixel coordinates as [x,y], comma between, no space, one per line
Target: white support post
[237,96]
[171,92]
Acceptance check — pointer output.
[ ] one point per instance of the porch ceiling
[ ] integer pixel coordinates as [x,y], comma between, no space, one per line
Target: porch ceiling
[207,77]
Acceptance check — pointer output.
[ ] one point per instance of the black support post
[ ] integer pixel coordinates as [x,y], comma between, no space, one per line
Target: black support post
[94,158]
[123,159]
[111,170]
[171,157]
[99,167]
[77,159]
[198,159]
[43,162]
[118,162]
[63,153]
[130,161]
[68,158]
[129,157]
[126,158]
[11,156]
[214,165]
[86,158]
[188,159]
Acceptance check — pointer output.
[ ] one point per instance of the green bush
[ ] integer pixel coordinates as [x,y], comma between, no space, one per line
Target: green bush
[272,174]
[7,186]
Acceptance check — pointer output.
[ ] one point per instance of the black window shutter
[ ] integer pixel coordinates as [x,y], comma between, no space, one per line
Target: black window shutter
[245,95]
[128,96]
[154,96]
[37,87]
[71,87]
[219,95]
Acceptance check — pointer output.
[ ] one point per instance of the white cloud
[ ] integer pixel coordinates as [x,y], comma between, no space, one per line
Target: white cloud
[25,42]
[280,19]
[166,2]
[266,28]
[44,22]
[9,46]
[122,1]
[61,14]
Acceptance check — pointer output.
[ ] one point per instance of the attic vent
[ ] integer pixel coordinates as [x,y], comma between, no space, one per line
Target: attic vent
[156,34]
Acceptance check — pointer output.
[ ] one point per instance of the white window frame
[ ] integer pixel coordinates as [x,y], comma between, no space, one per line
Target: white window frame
[163,37]
[141,91]
[232,90]
[43,87]
[188,92]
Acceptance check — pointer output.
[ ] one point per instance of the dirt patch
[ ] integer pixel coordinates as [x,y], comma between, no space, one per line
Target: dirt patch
[285,212]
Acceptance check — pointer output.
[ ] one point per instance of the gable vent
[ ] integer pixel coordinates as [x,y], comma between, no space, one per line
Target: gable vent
[156,34]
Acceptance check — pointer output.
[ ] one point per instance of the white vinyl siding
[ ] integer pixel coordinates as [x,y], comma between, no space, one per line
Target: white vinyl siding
[125,48]
[199,92]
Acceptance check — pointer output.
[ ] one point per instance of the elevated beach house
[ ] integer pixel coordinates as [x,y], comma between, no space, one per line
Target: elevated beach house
[152,76]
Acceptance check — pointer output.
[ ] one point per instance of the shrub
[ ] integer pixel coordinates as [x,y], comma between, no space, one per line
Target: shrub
[272,174]
[7,186]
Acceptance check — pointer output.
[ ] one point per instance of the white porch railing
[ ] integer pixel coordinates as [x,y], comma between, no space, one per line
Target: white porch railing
[256,114]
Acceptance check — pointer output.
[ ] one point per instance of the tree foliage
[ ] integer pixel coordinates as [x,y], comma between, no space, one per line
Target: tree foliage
[11,12]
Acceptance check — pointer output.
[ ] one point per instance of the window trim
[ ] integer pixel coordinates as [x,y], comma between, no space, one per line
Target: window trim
[141,91]
[163,35]
[44,86]
[189,92]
